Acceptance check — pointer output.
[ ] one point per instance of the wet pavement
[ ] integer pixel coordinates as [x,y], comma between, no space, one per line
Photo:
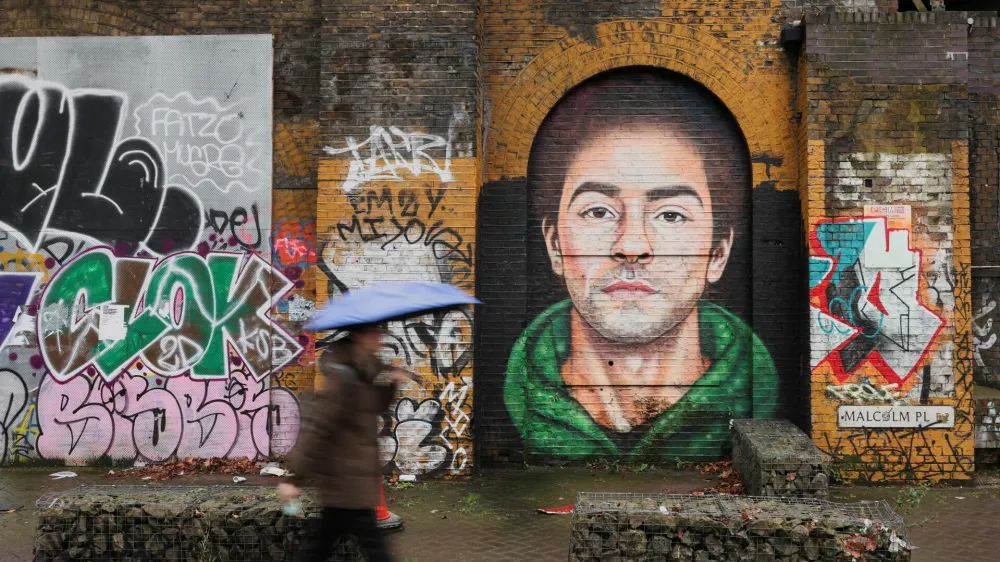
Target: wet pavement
[492,517]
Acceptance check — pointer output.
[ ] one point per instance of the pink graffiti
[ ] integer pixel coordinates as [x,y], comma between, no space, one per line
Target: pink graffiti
[295,243]
[85,419]
[67,413]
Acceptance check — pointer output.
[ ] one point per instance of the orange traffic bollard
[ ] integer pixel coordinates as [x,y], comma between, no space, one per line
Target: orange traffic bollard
[386,519]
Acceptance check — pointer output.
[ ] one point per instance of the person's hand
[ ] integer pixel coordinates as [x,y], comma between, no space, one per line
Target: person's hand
[288,492]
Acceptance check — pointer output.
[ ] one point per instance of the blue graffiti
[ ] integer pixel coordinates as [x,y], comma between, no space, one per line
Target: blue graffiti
[847,315]
[844,241]
[818,268]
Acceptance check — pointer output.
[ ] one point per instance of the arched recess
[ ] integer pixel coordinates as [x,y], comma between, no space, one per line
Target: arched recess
[759,100]
[749,94]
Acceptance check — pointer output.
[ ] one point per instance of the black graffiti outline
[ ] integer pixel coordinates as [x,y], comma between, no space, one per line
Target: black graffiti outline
[8,414]
[238,217]
[406,199]
[77,174]
[428,337]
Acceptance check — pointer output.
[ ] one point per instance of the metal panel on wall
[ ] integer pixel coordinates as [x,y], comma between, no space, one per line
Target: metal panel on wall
[136,283]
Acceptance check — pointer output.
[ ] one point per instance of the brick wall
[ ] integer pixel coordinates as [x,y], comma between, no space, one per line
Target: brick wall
[984,177]
[406,146]
[398,184]
[890,239]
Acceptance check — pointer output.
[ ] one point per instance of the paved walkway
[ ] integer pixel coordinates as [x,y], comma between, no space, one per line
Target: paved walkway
[492,517]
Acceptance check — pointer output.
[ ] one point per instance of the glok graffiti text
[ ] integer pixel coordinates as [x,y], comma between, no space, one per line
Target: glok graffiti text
[183,312]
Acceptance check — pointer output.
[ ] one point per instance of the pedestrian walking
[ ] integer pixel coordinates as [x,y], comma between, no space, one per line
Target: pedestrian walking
[337,449]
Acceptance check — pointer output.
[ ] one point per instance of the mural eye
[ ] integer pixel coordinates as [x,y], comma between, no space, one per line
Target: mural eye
[672,217]
[599,213]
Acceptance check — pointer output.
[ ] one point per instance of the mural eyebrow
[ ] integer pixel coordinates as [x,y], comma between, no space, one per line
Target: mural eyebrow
[673,191]
[605,189]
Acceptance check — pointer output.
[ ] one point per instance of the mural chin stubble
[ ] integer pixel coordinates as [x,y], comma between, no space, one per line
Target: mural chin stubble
[639,184]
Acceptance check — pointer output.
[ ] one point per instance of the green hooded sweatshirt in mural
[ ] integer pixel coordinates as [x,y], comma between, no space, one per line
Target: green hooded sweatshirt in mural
[741,382]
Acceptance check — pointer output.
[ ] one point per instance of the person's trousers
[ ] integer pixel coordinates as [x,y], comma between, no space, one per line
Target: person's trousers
[335,523]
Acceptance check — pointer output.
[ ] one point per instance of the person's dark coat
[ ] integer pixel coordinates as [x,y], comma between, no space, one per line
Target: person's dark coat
[337,449]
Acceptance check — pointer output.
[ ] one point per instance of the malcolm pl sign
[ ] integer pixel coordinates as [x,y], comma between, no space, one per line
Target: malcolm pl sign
[896,416]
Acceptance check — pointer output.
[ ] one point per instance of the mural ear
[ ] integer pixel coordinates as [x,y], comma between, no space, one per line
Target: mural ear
[551,235]
[720,256]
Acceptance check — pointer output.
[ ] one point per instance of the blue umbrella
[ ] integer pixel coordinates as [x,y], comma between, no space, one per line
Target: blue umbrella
[387,301]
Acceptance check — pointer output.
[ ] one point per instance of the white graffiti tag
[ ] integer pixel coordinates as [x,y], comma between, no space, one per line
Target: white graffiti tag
[983,337]
[387,151]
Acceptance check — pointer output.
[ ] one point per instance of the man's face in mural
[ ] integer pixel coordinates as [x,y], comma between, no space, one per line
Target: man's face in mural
[633,238]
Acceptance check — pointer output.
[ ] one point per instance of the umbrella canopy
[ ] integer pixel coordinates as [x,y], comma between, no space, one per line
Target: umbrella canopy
[387,301]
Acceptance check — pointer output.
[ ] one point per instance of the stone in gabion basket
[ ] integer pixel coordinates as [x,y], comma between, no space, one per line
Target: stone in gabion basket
[648,527]
[172,523]
[774,458]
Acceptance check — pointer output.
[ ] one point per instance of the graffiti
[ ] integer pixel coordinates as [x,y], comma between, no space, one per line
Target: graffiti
[430,436]
[864,392]
[183,312]
[125,324]
[13,400]
[895,455]
[458,422]
[413,450]
[404,230]
[864,280]
[397,228]
[19,260]
[72,170]
[133,418]
[15,289]
[983,337]
[206,143]
[239,227]
[294,243]
[985,351]
[386,152]
[987,424]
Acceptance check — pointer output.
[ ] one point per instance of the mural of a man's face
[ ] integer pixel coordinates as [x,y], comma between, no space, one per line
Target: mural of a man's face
[633,237]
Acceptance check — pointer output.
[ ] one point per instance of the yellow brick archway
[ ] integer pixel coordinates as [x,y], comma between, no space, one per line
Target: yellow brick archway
[102,18]
[750,95]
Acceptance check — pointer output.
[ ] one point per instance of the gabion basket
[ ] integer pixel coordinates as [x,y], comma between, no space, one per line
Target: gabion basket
[648,527]
[774,458]
[172,523]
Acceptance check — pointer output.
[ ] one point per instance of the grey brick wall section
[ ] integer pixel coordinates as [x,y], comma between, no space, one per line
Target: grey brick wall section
[411,67]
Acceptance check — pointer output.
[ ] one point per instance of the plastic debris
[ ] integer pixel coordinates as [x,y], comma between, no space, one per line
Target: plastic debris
[273,471]
[64,474]
[407,478]
[563,510]
[292,508]
[238,479]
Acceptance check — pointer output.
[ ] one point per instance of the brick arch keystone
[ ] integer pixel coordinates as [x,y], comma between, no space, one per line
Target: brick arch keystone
[523,106]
